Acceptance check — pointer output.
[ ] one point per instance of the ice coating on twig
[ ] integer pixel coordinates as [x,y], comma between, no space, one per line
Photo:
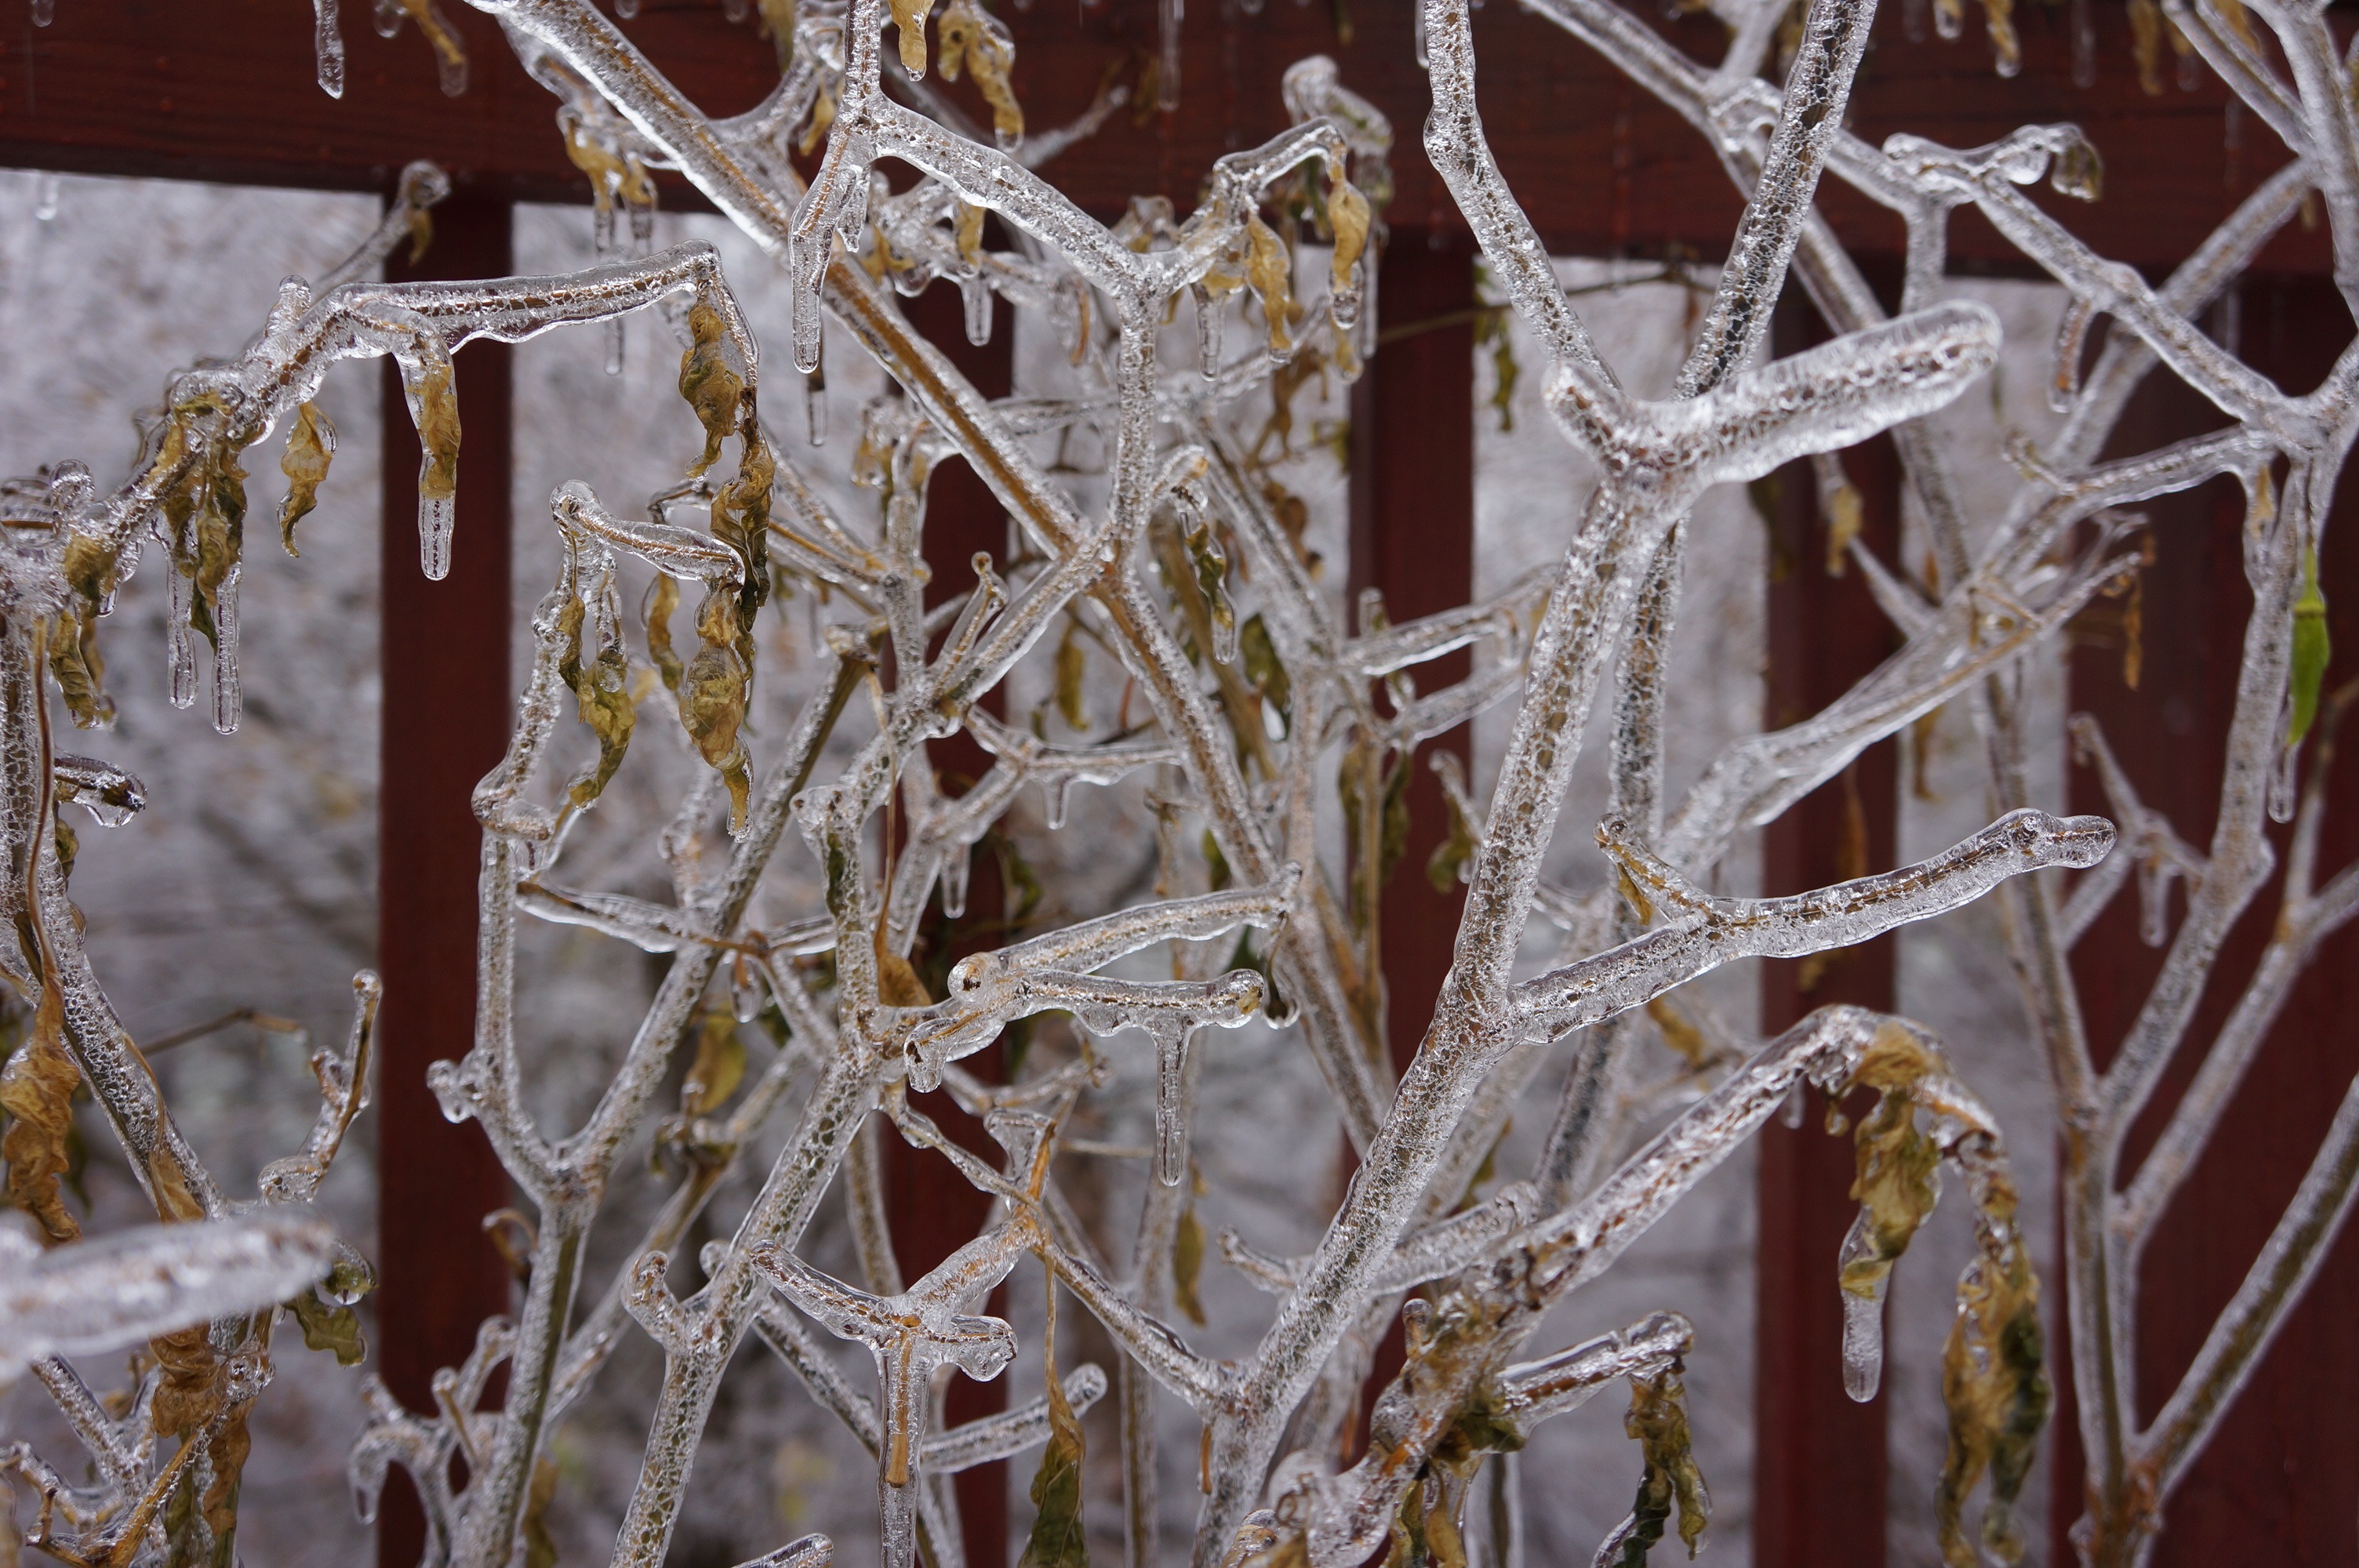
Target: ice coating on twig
[1185,575]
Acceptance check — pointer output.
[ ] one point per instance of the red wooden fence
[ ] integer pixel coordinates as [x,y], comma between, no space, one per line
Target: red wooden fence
[224,92]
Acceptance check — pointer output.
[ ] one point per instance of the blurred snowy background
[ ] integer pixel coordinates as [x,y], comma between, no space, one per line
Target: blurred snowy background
[249,881]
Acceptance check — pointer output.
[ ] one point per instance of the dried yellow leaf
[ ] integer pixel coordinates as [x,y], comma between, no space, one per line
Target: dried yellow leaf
[1348,216]
[1657,1421]
[330,1325]
[712,695]
[1270,273]
[310,446]
[601,700]
[1188,1265]
[719,1067]
[968,234]
[1058,1539]
[1994,1384]
[1072,668]
[898,984]
[437,432]
[710,387]
[663,598]
[36,1091]
[975,40]
[1894,1184]
[909,15]
[778,24]
[1845,518]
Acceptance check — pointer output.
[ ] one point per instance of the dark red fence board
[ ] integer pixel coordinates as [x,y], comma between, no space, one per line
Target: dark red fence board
[932,1210]
[2280,1482]
[226,91]
[445,724]
[1819,1459]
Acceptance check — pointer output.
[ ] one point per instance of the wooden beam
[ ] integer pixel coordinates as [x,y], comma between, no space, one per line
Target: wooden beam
[445,724]
[2280,1482]
[932,1210]
[1412,540]
[226,91]
[1819,1459]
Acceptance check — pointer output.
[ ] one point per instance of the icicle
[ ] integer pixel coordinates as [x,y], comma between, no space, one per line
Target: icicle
[1862,1343]
[44,11]
[2283,781]
[328,46]
[2084,44]
[748,995]
[2154,874]
[1208,330]
[955,867]
[180,648]
[976,294]
[1171,1041]
[1166,71]
[44,200]
[228,698]
[815,405]
[1055,790]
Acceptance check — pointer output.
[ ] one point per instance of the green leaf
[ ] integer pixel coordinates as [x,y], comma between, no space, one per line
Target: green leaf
[2311,651]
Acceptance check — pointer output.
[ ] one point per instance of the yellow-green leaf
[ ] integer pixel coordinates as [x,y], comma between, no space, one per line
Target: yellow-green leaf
[1072,667]
[539,1545]
[330,1325]
[973,40]
[36,1091]
[1186,1264]
[909,15]
[663,598]
[710,387]
[719,1067]
[2311,651]
[437,432]
[1657,1421]
[1270,273]
[1058,1540]
[310,446]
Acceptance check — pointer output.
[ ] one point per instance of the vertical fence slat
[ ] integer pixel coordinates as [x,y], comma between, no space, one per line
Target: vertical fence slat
[445,723]
[2279,1481]
[1412,539]
[1820,1463]
[932,1210]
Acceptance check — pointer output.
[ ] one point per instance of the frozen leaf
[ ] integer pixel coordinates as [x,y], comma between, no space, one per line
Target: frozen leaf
[2311,651]
[712,695]
[909,15]
[1348,218]
[1264,667]
[601,700]
[1072,670]
[719,1067]
[1657,1421]
[712,388]
[663,598]
[37,1090]
[1058,1539]
[1270,273]
[1210,563]
[539,1542]
[449,54]
[1187,1263]
[330,1325]
[1447,867]
[1897,1164]
[188,1393]
[898,984]
[310,444]
[975,40]
[1995,1382]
